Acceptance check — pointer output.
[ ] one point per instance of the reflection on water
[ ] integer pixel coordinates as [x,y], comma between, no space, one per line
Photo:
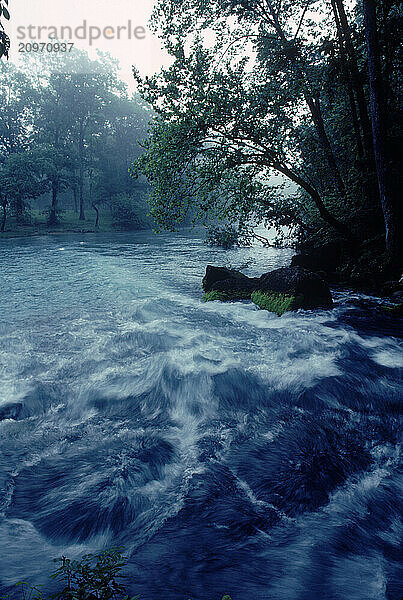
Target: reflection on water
[228,450]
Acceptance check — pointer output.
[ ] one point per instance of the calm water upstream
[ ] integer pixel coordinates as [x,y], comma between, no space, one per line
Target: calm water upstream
[227,449]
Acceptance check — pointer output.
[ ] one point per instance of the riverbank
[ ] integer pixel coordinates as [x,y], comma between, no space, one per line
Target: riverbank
[69,222]
[364,268]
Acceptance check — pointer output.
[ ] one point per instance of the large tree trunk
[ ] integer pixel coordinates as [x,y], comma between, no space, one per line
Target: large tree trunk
[379,131]
[19,210]
[312,103]
[356,79]
[53,209]
[95,207]
[349,85]
[314,107]
[81,197]
[81,172]
[75,196]
[356,82]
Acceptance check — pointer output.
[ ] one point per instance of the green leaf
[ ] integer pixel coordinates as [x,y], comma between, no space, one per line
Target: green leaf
[6,13]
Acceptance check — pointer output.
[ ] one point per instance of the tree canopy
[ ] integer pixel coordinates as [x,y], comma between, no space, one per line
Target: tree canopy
[69,125]
[258,87]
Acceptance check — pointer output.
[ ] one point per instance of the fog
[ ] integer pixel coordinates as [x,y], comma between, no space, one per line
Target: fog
[124,19]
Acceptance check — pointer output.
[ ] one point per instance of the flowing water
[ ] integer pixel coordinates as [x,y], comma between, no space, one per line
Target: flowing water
[227,449]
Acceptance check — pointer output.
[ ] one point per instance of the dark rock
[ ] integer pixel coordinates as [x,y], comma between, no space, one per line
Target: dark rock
[307,261]
[289,288]
[391,288]
[221,279]
[10,410]
[325,258]
[297,281]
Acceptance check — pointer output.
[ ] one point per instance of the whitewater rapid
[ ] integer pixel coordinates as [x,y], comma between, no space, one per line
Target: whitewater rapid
[226,449]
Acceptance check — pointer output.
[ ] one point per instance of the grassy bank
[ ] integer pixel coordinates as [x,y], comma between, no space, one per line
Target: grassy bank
[68,223]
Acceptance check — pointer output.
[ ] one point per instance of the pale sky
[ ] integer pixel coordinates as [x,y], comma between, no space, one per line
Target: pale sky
[146,53]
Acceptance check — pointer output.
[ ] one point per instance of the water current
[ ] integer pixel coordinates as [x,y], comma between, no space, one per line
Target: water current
[228,450]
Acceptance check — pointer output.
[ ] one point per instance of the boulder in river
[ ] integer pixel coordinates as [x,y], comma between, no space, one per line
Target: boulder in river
[288,288]
[221,283]
[306,288]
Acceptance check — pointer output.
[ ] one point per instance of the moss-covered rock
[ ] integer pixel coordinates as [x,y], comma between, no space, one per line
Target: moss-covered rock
[297,281]
[276,302]
[226,296]
[288,288]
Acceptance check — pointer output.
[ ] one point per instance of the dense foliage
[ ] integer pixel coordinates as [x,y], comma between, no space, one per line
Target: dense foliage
[4,39]
[258,87]
[68,134]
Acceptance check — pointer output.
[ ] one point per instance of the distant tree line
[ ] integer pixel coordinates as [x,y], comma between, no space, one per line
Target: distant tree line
[69,128]
[309,89]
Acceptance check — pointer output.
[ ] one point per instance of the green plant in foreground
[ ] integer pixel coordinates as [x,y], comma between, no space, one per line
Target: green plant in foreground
[25,592]
[94,577]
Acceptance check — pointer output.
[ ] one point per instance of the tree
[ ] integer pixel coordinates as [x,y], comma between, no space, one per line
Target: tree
[75,116]
[56,165]
[89,93]
[388,198]
[21,179]
[218,122]
[78,116]
[112,148]
[4,204]
[278,87]
[74,95]
[17,98]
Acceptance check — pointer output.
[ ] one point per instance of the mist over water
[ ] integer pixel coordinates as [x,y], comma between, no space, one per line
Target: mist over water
[227,449]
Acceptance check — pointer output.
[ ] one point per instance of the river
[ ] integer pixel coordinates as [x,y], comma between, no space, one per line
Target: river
[228,450]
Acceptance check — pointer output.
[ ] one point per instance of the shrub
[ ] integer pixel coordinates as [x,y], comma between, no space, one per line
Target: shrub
[94,577]
[129,213]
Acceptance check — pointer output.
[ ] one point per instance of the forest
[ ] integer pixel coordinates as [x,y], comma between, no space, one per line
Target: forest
[68,134]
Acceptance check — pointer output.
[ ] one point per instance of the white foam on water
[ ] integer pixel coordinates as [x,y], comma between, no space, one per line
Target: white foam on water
[120,381]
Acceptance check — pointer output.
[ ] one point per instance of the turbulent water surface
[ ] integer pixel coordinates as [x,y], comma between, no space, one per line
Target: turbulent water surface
[227,449]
